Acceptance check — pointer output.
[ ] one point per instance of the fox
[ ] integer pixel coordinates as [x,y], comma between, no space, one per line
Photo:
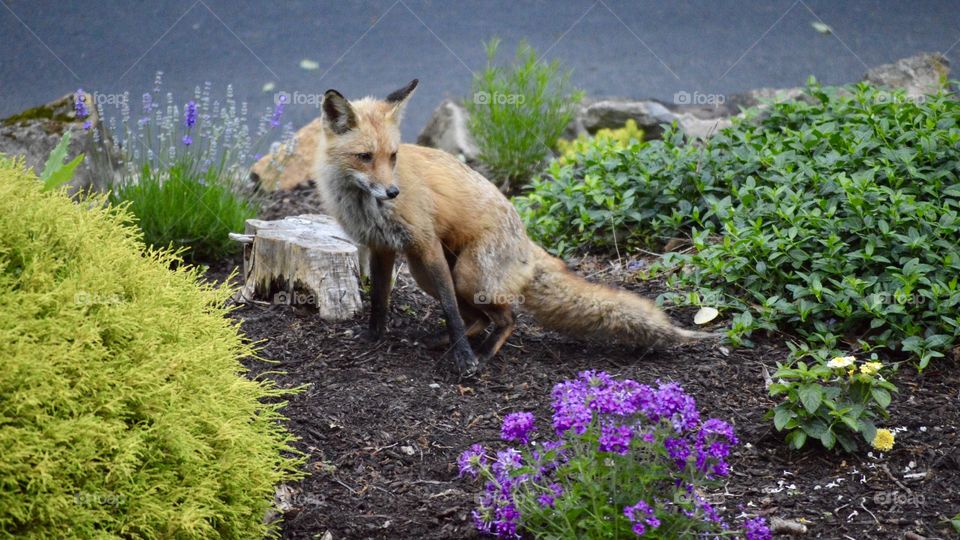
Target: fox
[463,240]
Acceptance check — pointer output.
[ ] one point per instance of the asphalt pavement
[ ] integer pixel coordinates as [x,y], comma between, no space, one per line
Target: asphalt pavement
[706,49]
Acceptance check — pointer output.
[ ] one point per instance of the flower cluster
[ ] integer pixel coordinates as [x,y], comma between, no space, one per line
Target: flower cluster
[641,516]
[80,107]
[637,455]
[883,440]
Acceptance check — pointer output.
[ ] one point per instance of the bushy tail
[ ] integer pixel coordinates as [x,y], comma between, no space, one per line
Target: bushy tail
[563,301]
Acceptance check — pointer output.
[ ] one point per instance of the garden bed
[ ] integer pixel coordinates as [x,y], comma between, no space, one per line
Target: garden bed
[383,424]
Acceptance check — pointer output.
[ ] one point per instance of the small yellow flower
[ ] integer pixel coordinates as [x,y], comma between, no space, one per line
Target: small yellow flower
[883,440]
[851,371]
[841,362]
[870,368]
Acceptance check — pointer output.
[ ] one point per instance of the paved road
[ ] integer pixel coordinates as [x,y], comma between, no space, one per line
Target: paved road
[615,47]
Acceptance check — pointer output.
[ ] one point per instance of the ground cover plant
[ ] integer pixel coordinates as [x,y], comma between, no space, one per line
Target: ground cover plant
[185,168]
[628,460]
[124,411]
[836,216]
[518,112]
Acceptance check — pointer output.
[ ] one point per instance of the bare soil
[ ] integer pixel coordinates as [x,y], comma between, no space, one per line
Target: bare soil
[382,424]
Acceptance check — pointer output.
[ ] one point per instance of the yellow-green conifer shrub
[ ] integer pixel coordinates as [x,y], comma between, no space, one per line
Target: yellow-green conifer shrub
[618,138]
[124,411]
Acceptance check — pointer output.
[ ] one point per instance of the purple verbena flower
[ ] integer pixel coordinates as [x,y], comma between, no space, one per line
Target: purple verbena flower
[505,523]
[472,460]
[642,516]
[615,439]
[517,427]
[673,404]
[756,529]
[678,450]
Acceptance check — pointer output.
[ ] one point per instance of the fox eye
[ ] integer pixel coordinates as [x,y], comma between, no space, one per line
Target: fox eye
[365,157]
[393,157]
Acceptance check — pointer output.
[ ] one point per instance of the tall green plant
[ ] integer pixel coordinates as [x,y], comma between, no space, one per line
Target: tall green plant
[517,113]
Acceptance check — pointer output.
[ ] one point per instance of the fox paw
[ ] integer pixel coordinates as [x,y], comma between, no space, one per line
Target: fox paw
[466,363]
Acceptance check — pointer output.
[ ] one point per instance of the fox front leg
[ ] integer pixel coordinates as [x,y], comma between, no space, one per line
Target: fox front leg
[437,272]
[381,278]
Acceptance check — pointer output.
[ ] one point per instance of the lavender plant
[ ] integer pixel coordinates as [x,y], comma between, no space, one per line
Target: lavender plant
[628,460]
[185,169]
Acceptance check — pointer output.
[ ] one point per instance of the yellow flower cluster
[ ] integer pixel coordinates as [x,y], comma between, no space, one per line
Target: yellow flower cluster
[871,368]
[622,138]
[883,440]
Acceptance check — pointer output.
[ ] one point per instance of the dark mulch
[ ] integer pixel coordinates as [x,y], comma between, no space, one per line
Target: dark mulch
[383,424]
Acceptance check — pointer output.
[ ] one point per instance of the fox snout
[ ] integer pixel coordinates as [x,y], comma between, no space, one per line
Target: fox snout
[381,192]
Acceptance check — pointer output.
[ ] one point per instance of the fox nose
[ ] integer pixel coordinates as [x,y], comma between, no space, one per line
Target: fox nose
[392,192]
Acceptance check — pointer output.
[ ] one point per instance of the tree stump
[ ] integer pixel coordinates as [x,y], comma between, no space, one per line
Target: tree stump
[302,260]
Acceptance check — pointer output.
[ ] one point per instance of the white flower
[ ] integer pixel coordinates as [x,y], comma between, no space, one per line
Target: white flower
[841,362]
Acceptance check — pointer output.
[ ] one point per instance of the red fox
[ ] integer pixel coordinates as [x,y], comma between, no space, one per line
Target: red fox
[464,241]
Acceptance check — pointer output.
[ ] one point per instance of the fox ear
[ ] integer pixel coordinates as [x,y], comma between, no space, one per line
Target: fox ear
[399,98]
[338,115]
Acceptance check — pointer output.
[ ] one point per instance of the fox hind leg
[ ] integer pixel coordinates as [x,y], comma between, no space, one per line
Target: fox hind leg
[504,325]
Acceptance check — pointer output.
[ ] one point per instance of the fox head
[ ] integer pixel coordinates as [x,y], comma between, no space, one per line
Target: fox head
[362,138]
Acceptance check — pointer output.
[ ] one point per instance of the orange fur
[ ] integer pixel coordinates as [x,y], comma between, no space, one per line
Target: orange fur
[464,240]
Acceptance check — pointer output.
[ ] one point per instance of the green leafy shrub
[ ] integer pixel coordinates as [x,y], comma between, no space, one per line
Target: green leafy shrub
[182,205]
[629,460]
[124,412]
[832,402]
[611,196]
[619,138]
[517,113]
[834,216]
[185,169]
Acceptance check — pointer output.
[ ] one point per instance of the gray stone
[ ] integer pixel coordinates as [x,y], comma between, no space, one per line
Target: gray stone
[34,133]
[448,130]
[613,113]
[919,75]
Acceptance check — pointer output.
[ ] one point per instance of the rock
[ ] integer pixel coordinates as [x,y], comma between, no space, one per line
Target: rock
[919,75]
[35,132]
[613,113]
[291,164]
[448,130]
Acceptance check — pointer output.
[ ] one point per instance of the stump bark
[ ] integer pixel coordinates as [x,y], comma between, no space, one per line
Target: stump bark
[305,260]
